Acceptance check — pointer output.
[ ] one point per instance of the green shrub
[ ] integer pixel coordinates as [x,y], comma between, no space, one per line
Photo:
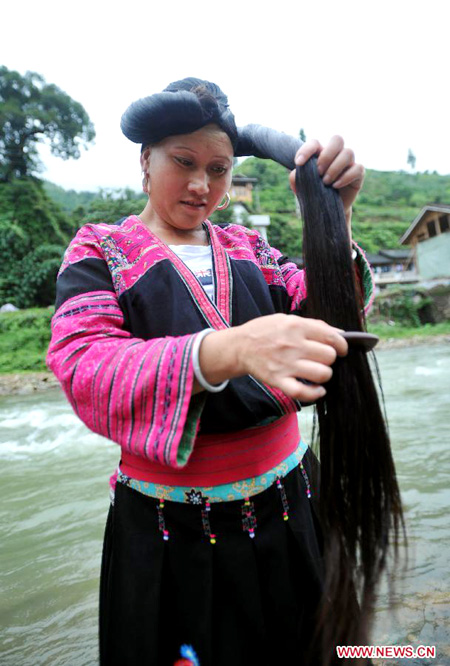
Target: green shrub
[406,306]
[24,339]
[33,236]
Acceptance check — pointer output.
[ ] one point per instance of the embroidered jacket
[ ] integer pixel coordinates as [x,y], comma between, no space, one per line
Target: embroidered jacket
[127,312]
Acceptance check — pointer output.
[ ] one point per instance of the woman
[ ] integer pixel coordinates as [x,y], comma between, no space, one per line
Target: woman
[211,539]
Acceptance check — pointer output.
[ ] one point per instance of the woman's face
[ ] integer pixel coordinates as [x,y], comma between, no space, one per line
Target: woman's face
[189,175]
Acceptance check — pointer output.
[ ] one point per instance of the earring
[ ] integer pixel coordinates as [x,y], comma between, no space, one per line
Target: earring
[145,183]
[224,204]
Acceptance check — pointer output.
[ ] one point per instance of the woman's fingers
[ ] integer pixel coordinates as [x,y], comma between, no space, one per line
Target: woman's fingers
[319,352]
[336,164]
[339,166]
[333,159]
[314,372]
[307,384]
[280,349]
[300,391]
[307,150]
[349,184]
[318,331]
[351,177]
[328,155]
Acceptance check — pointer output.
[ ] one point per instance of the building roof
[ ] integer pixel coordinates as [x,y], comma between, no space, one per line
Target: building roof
[395,255]
[259,220]
[382,258]
[239,179]
[437,208]
[378,260]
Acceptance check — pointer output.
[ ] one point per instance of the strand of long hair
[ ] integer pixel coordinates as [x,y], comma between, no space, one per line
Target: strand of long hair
[360,505]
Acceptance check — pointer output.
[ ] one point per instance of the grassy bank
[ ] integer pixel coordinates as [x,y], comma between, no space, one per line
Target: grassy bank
[25,335]
[24,338]
[388,331]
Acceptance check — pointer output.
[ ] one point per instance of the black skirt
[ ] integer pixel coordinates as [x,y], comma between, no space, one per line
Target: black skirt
[240,600]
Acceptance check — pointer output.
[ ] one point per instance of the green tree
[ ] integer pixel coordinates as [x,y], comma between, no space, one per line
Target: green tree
[302,135]
[411,159]
[224,216]
[110,206]
[30,111]
[34,233]
[285,233]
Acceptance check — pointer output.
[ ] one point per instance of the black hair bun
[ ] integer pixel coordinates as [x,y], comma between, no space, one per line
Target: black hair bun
[183,107]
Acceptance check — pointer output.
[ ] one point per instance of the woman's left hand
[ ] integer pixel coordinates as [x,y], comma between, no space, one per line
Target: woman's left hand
[337,167]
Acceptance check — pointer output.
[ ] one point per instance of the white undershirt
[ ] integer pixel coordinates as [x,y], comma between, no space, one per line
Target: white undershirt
[198,259]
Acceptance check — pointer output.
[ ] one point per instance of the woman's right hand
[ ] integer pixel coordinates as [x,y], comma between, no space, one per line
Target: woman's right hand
[278,350]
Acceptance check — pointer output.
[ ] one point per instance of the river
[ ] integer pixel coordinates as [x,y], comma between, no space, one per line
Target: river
[55,499]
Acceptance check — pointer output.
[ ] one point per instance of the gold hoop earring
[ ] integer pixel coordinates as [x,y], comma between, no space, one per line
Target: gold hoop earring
[224,204]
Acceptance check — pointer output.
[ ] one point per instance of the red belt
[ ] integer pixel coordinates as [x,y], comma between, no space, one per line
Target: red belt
[223,458]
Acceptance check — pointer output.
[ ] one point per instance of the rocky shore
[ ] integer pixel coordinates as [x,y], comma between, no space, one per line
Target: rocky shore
[24,383]
[31,382]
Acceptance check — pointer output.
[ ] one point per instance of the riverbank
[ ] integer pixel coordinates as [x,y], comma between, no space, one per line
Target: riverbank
[26,383]
[397,343]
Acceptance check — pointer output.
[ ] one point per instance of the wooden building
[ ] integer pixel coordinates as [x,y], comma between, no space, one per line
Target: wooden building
[429,236]
[242,188]
[432,220]
[242,193]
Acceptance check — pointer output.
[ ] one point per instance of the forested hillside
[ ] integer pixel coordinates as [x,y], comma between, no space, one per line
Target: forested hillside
[385,208]
[37,219]
[387,205]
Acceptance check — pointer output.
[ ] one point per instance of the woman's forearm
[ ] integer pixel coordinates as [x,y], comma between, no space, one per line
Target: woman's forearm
[218,357]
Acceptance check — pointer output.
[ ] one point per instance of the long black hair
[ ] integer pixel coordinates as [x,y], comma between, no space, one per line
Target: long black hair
[360,506]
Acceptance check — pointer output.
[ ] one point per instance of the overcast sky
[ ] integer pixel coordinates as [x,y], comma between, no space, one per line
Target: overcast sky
[375,72]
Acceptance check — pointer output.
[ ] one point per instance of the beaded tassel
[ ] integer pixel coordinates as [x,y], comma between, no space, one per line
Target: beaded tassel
[284,500]
[249,518]
[305,477]
[206,524]
[161,521]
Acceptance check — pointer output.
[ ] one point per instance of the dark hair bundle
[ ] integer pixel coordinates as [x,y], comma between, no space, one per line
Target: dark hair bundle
[266,143]
[183,107]
[360,506]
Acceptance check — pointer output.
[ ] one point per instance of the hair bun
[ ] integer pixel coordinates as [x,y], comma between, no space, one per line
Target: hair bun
[183,107]
[199,86]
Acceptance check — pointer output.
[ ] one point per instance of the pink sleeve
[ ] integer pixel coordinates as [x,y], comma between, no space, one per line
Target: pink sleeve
[136,392]
[295,278]
[285,274]
[295,281]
